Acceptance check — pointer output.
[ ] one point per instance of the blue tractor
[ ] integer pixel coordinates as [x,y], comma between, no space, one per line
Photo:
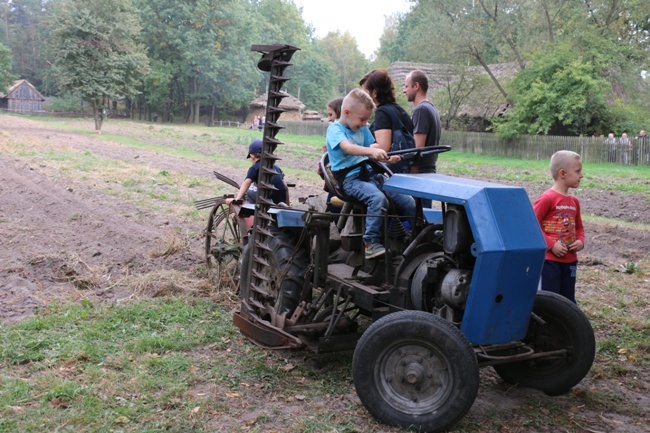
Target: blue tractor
[459,292]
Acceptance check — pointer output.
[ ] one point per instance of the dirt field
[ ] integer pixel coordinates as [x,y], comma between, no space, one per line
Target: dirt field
[68,238]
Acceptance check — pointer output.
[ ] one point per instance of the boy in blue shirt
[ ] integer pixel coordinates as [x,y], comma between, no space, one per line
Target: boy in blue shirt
[349,144]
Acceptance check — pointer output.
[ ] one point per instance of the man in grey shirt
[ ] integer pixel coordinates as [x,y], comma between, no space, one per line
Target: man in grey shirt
[426,120]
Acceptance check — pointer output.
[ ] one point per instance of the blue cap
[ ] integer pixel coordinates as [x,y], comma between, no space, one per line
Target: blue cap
[254,147]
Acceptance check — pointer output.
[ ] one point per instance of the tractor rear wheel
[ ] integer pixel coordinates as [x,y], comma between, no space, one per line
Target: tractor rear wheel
[415,370]
[282,286]
[565,327]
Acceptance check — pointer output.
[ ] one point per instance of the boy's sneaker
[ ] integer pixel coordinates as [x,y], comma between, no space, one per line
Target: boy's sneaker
[374,250]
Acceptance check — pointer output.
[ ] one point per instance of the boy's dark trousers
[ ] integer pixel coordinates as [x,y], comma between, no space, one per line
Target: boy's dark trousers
[560,278]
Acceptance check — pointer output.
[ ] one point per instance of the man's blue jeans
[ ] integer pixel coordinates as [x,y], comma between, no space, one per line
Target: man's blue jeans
[370,193]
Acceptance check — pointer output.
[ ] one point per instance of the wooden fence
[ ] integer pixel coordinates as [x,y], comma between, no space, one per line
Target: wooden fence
[537,147]
[304,127]
[531,147]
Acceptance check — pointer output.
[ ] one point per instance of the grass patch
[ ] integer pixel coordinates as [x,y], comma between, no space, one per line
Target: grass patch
[128,360]
[163,364]
[160,191]
[618,309]
[606,177]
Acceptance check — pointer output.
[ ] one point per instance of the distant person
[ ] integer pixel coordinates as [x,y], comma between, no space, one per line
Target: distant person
[389,116]
[155,118]
[260,125]
[427,127]
[643,146]
[247,190]
[610,146]
[558,214]
[626,148]
[349,145]
[256,122]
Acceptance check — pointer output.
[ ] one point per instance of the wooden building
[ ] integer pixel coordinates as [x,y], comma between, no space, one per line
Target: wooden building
[22,97]
[313,116]
[290,103]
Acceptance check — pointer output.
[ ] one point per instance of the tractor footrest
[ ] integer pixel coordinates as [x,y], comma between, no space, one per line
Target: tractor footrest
[341,270]
[364,296]
[263,333]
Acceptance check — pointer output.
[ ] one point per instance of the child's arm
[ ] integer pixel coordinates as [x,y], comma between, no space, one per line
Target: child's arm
[243,188]
[393,159]
[559,249]
[541,207]
[373,151]
[579,243]
[288,202]
[576,246]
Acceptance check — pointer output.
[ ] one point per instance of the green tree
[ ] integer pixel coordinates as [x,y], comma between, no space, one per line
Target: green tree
[457,85]
[202,52]
[390,49]
[313,79]
[343,53]
[558,93]
[609,40]
[280,21]
[97,51]
[6,77]
[460,32]
[26,33]
[157,94]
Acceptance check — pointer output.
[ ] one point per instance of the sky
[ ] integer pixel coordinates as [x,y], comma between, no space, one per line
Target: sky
[364,19]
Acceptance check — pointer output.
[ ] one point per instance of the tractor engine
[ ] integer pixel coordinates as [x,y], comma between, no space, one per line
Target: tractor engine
[440,284]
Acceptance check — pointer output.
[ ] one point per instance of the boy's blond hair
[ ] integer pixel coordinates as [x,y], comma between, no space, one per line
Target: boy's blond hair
[562,159]
[356,98]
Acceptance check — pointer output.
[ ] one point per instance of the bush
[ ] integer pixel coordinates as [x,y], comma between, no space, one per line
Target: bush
[66,103]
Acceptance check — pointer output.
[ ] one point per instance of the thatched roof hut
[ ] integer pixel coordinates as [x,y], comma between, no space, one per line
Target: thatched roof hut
[312,116]
[485,102]
[290,103]
[22,97]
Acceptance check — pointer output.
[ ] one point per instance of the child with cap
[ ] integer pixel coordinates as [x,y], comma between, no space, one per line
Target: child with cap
[280,195]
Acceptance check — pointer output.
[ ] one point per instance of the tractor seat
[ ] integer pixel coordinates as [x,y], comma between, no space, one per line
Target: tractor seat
[333,185]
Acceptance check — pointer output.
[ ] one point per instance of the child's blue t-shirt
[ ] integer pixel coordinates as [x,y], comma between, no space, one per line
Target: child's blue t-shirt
[336,133]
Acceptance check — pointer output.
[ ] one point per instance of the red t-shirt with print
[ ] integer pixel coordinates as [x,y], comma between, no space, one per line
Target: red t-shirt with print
[559,217]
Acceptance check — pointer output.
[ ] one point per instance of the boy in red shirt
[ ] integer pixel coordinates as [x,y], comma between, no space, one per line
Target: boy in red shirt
[558,214]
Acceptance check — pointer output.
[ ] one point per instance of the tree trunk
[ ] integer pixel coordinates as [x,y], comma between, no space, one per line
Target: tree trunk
[515,50]
[549,22]
[98,115]
[196,101]
[504,33]
[474,52]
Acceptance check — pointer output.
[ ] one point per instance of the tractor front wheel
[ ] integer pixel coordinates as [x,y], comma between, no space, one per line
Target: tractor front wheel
[415,370]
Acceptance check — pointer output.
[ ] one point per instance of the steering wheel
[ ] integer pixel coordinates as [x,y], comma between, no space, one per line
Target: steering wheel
[418,151]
